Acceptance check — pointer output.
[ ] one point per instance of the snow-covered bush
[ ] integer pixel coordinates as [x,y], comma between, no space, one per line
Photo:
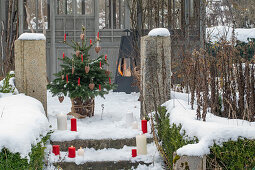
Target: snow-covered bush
[7,84]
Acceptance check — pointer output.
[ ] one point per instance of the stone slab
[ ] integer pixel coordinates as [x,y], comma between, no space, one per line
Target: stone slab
[98,144]
[190,162]
[104,165]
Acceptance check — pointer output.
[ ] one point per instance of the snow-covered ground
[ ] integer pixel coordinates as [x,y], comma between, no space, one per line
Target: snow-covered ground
[113,124]
[215,129]
[22,123]
[216,33]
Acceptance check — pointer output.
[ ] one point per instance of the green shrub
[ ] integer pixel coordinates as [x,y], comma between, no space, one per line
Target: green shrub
[6,87]
[13,161]
[238,154]
[170,136]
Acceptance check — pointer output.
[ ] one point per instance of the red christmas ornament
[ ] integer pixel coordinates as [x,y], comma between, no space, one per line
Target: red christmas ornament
[99,87]
[79,81]
[90,41]
[65,37]
[105,57]
[63,55]
[110,82]
[66,78]
[82,57]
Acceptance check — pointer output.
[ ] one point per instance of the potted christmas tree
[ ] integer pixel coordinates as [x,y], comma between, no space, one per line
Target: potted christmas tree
[82,78]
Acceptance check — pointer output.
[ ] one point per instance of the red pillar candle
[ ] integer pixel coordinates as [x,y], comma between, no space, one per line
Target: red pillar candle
[55,149]
[98,35]
[63,55]
[110,82]
[90,41]
[144,126]
[105,57]
[65,37]
[100,64]
[82,57]
[99,87]
[73,124]
[134,153]
[71,152]
[66,78]
[79,81]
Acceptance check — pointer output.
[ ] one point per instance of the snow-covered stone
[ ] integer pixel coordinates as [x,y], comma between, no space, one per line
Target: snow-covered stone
[32,36]
[22,123]
[214,130]
[163,32]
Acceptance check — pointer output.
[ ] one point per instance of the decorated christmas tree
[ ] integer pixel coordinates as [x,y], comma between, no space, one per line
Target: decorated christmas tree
[82,78]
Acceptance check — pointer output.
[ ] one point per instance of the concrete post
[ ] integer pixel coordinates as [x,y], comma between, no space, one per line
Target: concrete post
[155,72]
[30,66]
[189,162]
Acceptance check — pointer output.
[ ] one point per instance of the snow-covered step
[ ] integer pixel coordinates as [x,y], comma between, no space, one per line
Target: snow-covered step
[106,159]
[98,144]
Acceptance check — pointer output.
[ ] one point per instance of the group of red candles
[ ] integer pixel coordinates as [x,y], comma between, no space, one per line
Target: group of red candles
[71,151]
[144,130]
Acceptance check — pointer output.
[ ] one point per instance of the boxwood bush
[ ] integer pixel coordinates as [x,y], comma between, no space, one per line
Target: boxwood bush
[13,161]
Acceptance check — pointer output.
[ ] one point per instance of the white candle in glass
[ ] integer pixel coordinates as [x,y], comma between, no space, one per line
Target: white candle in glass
[135,125]
[98,44]
[80,152]
[141,144]
[62,121]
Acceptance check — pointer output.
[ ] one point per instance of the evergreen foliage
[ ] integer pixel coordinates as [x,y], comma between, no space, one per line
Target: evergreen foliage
[13,161]
[171,136]
[74,68]
[6,87]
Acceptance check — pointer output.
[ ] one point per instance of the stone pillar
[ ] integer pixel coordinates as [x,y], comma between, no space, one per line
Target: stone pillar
[30,66]
[155,72]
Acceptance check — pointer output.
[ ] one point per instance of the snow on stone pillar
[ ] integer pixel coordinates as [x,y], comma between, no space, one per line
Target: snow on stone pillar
[155,69]
[30,66]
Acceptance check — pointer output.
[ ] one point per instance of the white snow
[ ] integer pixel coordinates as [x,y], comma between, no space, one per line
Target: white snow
[113,123]
[214,130]
[22,123]
[32,36]
[163,32]
[216,33]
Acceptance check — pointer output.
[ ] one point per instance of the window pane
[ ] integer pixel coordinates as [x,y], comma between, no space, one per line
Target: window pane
[61,7]
[42,14]
[30,14]
[89,7]
[79,6]
[69,6]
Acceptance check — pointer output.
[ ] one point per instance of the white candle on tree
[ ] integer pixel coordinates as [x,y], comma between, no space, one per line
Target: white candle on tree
[62,121]
[80,152]
[141,144]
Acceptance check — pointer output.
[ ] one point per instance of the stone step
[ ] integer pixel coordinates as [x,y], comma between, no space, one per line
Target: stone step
[98,144]
[103,165]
